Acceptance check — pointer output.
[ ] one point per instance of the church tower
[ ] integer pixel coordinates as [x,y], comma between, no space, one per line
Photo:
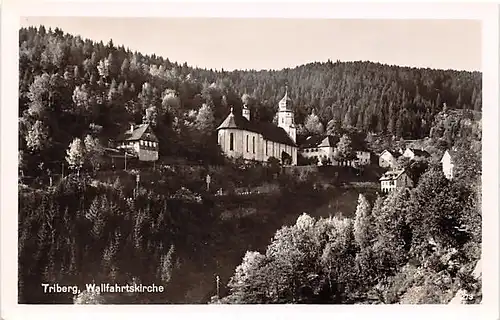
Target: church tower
[245,112]
[285,116]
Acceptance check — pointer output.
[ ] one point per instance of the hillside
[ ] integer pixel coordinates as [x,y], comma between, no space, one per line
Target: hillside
[71,87]
[350,244]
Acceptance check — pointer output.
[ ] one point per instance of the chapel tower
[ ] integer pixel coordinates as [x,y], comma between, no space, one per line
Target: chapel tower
[245,112]
[286,116]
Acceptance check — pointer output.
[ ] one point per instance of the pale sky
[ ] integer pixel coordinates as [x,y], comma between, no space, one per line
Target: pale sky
[280,43]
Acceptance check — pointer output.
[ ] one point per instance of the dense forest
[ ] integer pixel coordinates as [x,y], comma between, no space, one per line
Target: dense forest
[105,230]
[72,87]
[75,96]
[412,247]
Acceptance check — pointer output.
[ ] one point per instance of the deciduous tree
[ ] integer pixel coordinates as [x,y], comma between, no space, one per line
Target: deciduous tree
[38,138]
[344,150]
[313,125]
[205,121]
[94,151]
[76,154]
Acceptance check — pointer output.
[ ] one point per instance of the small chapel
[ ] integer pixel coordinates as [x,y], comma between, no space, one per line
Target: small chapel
[239,136]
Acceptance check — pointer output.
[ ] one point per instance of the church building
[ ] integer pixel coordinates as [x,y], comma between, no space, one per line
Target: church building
[239,136]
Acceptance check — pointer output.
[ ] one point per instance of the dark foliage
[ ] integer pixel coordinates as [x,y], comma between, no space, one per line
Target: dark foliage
[68,84]
[77,233]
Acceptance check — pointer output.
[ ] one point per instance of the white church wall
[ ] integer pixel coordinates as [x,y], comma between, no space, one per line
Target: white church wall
[252,151]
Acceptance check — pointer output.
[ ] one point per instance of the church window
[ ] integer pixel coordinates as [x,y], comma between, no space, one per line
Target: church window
[266,148]
[253,144]
[231,141]
[247,143]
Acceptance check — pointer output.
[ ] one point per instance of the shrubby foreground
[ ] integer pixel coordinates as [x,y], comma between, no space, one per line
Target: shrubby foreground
[414,246]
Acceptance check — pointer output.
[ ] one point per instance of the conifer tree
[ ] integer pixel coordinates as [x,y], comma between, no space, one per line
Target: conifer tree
[363,222]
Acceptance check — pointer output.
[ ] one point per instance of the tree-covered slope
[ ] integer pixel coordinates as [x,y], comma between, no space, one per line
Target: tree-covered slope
[68,83]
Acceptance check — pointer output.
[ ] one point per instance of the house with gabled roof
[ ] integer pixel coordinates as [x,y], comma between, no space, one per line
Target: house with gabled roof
[320,147]
[388,159]
[239,136]
[394,179]
[140,141]
[448,164]
[413,153]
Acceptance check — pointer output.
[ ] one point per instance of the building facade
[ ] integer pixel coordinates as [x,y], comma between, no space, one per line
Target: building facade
[320,147]
[363,157]
[394,179]
[448,165]
[388,159]
[140,141]
[323,147]
[239,136]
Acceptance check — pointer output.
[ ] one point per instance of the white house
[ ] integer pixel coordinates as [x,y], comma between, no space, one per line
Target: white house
[448,164]
[394,179]
[388,159]
[321,147]
[363,157]
[412,153]
[238,136]
[140,141]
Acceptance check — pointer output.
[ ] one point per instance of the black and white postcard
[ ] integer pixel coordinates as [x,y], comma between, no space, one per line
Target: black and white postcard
[218,159]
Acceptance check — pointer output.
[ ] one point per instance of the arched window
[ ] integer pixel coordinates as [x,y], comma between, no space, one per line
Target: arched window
[253,144]
[231,141]
[247,142]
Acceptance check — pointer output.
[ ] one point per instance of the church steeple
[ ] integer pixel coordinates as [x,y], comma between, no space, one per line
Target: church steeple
[285,102]
[246,111]
[286,116]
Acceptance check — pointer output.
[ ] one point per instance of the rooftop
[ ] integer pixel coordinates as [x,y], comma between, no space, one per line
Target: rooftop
[419,153]
[392,175]
[323,140]
[285,102]
[269,131]
[139,132]
[394,153]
